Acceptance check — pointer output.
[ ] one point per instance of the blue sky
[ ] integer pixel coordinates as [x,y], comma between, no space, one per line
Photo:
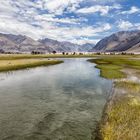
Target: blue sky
[77,21]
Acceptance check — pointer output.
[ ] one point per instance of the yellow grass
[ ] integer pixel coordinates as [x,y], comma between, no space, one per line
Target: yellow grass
[6,65]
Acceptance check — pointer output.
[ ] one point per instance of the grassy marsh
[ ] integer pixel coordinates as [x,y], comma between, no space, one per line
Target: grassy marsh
[121,119]
[111,67]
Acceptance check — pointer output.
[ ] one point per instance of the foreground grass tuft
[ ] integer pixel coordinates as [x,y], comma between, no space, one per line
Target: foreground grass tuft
[123,121]
[123,116]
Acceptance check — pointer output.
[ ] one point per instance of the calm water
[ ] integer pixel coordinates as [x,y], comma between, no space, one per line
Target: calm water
[61,102]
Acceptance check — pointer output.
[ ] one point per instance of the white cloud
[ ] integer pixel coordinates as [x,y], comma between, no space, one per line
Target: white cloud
[107,1]
[125,25]
[58,6]
[86,40]
[132,10]
[13,26]
[116,6]
[52,18]
[103,10]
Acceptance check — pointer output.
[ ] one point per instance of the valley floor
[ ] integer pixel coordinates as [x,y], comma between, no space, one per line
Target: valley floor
[121,115]
[121,119]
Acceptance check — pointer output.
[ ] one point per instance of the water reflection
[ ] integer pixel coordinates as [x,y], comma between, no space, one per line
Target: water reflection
[52,103]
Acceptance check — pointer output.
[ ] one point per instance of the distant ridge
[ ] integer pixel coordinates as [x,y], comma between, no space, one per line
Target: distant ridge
[128,41]
[20,43]
[66,46]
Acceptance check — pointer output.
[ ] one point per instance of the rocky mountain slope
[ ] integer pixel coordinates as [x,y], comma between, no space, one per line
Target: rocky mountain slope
[59,46]
[20,43]
[66,46]
[128,41]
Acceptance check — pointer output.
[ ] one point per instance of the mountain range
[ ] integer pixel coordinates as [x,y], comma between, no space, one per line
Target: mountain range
[126,41]
[20,43]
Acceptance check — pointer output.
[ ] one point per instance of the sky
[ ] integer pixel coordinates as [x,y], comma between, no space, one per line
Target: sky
[76,21]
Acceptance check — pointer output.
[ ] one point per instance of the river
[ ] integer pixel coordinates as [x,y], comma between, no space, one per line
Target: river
[59,102]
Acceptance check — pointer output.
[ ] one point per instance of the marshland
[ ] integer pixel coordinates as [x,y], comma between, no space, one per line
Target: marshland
[120,119]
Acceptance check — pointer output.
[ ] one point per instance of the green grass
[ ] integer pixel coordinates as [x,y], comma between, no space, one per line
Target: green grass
[7,65]
[111,66]
[111,71]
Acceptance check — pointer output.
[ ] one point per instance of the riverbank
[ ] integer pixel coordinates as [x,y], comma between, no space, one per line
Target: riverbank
[16,64]
[121,114]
